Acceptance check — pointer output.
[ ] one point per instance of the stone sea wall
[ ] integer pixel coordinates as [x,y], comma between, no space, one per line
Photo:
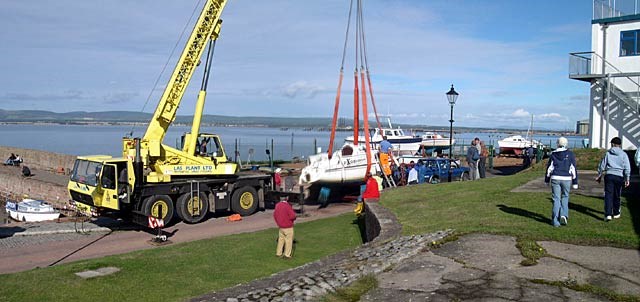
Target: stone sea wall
[50,175]
[40,160]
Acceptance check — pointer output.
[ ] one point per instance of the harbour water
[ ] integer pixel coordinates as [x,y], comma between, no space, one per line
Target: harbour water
[252,141]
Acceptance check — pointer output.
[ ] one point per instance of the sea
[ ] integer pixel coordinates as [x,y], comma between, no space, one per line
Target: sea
[251,142]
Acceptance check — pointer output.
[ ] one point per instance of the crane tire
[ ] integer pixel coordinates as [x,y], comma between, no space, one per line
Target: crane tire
[151,204]
[244,201]
[192,208]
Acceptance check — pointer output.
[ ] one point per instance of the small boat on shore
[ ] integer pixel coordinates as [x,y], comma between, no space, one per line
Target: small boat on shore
[433,142]
[31,210]
[516,144]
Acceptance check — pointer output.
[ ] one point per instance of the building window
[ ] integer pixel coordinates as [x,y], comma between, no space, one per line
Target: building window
[629,43]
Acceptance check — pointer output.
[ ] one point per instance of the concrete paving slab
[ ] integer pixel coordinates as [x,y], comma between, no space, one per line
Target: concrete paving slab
[482,267]
[483,251]
[421,273]
[103,271]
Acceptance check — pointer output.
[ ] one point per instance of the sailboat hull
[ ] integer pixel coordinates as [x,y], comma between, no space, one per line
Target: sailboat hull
[347,165]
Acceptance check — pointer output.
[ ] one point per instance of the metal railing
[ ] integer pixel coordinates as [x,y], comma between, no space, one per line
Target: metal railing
[603,9]
[591,63]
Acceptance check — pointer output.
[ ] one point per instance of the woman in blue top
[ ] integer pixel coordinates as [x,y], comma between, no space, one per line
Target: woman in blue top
[562,173]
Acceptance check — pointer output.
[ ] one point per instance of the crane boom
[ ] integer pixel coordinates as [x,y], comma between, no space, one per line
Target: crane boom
[206,28]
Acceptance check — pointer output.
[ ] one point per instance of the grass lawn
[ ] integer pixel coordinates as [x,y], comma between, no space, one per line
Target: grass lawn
[180,271]
[488,206]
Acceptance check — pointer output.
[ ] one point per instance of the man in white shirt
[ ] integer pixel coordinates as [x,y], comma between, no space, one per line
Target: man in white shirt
[412,178]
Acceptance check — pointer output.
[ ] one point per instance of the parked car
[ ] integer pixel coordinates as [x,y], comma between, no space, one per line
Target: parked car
[438,170]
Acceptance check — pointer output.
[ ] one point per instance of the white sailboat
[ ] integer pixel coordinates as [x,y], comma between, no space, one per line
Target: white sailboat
[347,165]
[516,144]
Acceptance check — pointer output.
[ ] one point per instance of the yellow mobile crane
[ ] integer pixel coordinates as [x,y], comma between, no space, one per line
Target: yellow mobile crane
[153,179]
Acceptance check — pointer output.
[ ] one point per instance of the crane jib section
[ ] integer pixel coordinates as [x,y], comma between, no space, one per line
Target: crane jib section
[207,27]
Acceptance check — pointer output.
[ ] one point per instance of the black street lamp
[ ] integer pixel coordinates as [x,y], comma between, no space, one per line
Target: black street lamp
[452,96]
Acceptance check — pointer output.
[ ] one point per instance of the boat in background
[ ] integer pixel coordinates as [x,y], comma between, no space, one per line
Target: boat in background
[516,144]
[347,165]
[403,144]
[433,142]
[31,210]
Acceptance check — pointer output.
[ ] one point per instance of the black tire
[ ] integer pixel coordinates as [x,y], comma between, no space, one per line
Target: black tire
[244,201]
[192,210]
[151,204]
[464,176]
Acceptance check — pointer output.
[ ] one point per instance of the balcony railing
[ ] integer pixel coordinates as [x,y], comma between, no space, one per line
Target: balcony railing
[603,9]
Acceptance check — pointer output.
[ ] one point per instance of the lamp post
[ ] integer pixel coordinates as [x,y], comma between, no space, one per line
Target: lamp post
[452,96]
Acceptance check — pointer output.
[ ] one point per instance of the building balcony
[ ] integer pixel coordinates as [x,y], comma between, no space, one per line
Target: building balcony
[605,11]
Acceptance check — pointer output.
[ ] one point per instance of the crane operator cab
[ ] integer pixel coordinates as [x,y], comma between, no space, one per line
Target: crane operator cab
[207,145]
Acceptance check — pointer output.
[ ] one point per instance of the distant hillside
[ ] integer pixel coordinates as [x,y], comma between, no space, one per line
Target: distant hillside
[120,117]
[82,117]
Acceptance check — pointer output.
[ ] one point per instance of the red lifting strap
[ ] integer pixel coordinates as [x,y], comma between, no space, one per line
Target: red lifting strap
[356,109]
[367,137]
[335,116]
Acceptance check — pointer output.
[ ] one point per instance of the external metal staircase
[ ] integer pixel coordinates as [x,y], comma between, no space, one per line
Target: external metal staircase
[589,66]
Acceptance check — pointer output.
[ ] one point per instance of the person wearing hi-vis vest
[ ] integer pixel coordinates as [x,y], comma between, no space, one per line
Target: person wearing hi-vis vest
[385,155]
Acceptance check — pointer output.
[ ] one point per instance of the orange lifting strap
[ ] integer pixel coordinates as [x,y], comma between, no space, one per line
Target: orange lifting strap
[359,87]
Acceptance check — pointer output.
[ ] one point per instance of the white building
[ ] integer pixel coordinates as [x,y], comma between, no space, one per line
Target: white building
[612,67]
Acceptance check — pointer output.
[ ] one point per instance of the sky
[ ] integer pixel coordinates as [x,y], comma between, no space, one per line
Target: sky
[507,59]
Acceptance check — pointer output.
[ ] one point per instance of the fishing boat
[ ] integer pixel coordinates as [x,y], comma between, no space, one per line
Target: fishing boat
[403,144]
[347,165]
[31,210]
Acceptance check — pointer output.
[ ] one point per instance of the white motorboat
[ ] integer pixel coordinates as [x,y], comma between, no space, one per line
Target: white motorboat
[433,139]
[347,165]
[516,144]
[31,210]
[402,144]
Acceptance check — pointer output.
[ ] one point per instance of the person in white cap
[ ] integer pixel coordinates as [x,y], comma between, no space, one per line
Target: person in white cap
[562,172]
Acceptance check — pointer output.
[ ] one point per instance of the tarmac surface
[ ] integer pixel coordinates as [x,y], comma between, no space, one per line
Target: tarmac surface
[25,246]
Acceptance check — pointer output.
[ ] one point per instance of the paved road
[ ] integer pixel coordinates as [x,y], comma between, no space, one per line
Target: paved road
[21,252]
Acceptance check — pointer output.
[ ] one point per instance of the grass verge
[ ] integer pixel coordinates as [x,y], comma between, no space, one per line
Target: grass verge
[489,206]
[353,292]
[177,272]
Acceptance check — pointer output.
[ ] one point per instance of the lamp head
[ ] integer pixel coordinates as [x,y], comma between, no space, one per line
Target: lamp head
[452,96]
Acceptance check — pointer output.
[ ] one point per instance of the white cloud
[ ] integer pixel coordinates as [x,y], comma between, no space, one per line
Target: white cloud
[520,113]
[301,89]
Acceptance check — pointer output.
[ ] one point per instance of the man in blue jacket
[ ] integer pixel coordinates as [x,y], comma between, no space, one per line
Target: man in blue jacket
[562,173]
[616,169]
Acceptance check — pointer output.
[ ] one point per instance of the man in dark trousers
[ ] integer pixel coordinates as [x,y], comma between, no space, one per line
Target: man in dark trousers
[284,217]
[616,169]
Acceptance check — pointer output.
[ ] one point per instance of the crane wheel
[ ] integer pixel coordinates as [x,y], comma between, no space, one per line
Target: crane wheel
[192,207]
[151,207]
[244,201]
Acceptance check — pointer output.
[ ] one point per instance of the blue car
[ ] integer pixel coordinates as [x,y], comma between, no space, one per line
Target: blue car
[437,170]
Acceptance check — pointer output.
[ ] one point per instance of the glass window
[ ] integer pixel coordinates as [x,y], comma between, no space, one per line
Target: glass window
[629,43]
[86,172]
